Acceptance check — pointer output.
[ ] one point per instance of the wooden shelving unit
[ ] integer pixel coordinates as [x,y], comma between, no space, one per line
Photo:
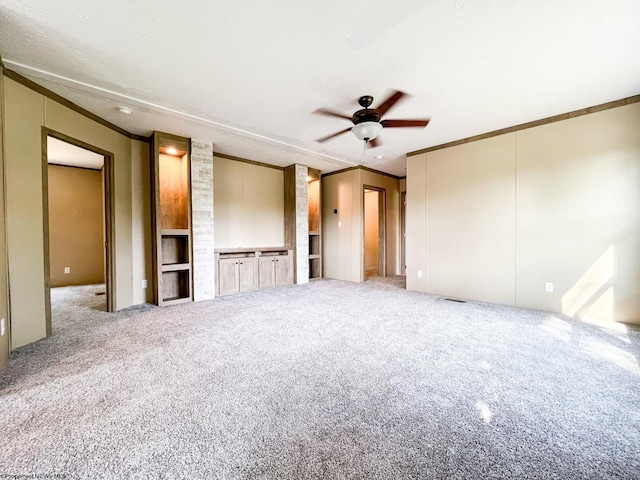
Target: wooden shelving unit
[315,225]
[171,219]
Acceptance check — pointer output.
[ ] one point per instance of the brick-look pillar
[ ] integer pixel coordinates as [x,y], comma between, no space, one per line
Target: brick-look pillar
[204,267]
[297,218]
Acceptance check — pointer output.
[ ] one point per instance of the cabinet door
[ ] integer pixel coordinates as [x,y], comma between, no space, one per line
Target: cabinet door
[228,278]
[266,274]
[282,270]
[248,273]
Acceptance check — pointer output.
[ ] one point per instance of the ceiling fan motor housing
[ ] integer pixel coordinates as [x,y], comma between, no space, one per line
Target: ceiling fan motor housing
[365,115]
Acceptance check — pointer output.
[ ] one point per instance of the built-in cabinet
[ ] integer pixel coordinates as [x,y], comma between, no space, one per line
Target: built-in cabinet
[171,219]
[315,225]
[237,273]
[274,269]
[242,269]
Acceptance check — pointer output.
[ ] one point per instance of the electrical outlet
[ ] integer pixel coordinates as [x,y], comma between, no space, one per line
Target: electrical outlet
[67,269]
[419,273]
[3,327]
[144,283]
[548,287]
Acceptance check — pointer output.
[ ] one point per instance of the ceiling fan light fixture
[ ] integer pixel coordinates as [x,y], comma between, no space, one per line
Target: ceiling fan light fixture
[366,130]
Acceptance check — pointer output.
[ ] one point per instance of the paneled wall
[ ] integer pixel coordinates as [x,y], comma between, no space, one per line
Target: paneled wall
[76,226]
[498,219]
[342,241]
[248,204]
[141,222]
[472,251]
[343,246]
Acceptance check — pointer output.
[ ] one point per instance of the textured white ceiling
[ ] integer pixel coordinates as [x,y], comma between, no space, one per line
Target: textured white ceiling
[63,153]
[247,75]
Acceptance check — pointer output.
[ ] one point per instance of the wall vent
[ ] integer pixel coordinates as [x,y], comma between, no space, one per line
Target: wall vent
[455,300]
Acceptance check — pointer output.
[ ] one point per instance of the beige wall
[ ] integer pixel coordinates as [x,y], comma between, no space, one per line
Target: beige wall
[416,223]
[248,204]
[343,233]
[24,116]
[578,215]
[496,219]
[26,113]
[140,221]
[471,211]
[76,226]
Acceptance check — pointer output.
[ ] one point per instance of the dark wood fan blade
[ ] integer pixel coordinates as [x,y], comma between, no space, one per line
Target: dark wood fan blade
[390,102]
[405,123]
[376,142]
[331,113]
[329,137]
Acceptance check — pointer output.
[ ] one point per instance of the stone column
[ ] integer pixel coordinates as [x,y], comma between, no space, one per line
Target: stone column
[204,266]
[296,219]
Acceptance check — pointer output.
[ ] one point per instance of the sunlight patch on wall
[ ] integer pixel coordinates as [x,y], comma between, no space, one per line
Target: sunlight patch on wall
[592,296]
[601,310]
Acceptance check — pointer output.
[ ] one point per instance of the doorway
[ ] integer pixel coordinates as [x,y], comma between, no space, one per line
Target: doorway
[374,255]
[78,222]
[403,233]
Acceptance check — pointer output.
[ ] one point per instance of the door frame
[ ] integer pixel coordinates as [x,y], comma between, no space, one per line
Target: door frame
[5,342]
[403,233]
[109,218]
[382,229]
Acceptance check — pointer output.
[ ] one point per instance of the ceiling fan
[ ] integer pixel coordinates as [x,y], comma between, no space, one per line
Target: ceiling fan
[367,122]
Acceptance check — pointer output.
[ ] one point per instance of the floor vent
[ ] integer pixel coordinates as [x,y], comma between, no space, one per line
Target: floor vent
[101,293]
[455,300]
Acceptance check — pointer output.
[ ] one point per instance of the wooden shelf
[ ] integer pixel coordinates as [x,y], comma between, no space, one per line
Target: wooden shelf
[175,232]
[175,301]
[175,267]
[252,250]
[314,268]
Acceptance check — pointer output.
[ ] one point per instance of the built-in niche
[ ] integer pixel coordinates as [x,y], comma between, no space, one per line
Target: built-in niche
[171,216]
[315,225]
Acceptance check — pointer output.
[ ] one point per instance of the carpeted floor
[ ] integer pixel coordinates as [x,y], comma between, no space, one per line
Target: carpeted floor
[327,380]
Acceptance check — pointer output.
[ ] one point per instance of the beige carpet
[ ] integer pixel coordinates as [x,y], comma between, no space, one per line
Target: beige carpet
[326,380]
